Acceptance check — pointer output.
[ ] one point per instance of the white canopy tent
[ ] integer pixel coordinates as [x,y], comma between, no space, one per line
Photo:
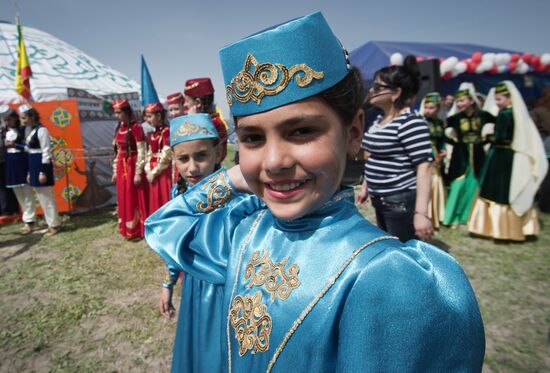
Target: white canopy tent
[56,66]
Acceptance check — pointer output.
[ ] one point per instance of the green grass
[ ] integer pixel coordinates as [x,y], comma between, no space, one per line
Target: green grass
[86,300]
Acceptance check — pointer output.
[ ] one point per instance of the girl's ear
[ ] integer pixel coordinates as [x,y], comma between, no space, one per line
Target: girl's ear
[396,95]
[355,133]
[198,103]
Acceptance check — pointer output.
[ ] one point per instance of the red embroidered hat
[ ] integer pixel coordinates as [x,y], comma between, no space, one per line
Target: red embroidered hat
[175,98]
[198,87]
[119,104]
[154,107]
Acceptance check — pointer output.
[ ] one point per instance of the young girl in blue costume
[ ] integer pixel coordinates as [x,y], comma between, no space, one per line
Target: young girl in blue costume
[194,142]
[308,284]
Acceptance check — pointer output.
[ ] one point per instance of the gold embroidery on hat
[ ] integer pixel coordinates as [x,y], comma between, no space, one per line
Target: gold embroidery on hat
[188,129]
[191,86]
[251,322]
[219,192]
[258,80]
[272,276]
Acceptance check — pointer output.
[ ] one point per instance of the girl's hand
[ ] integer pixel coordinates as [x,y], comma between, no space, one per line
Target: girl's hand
[150,178]
[137,180]
[423,227]
[113,178]
[362,195]
[166,307]
[238,180]
[28,178]
[42,178]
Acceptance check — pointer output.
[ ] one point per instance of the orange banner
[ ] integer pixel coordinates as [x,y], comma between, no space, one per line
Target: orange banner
[62,121]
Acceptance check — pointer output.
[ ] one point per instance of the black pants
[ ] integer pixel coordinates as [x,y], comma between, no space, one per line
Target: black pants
[395,213]
[8,203]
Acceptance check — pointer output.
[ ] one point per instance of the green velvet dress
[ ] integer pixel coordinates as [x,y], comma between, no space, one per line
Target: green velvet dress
[436,208]
[497,171]
[466,163]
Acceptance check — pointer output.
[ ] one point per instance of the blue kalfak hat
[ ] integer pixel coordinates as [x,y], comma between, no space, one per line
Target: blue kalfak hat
[281,65]
[191,127]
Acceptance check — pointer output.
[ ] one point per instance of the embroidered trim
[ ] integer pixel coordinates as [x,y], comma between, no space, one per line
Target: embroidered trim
[239,262]
[251,322]
[318,297]
[272,276]
[258,80]
[219,192]
[188,129]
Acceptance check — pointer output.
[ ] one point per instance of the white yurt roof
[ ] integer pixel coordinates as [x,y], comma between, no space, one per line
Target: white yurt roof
[56,66]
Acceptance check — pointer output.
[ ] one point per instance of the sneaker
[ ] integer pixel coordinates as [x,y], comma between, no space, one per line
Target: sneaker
[26,229]
[51,231]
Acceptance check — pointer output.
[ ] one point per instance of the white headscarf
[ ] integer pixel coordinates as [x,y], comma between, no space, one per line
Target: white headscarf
[530,165]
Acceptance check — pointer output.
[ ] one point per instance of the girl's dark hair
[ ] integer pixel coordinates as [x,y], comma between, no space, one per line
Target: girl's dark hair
[20,131]
[347,96]
[406,77]
[128,111]
[32,112]
[207,103]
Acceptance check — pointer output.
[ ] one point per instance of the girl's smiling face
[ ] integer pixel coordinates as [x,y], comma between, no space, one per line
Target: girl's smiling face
[294,157]
[196,159]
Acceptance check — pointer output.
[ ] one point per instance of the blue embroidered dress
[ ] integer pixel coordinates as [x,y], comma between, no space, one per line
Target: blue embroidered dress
[327,292]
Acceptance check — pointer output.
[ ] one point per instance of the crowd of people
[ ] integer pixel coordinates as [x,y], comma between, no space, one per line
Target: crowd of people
[279,267]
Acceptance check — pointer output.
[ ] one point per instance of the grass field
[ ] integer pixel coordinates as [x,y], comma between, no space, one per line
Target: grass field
[86,300]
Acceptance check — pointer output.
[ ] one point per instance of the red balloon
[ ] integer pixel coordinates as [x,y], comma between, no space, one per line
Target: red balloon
[535,60]
[512,65]
[526,57]
[539,67]
[494,69]
[477,56]
[471,67]
[448,75]
[419,59]
[515,57]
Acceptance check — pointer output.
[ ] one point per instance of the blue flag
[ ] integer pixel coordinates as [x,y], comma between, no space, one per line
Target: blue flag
[148,91]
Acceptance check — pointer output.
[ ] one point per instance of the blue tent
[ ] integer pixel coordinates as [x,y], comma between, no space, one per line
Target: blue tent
[376,54]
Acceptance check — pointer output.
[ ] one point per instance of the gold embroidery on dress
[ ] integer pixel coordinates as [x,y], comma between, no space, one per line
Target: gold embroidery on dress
[187,129]
[251,322]
[258,80]
[218,193]
[272,276]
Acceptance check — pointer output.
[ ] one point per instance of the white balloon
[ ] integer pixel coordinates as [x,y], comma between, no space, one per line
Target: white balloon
[545,59]
[484,66]
[502,68]
[396,59]
[502,59]
[448,64]
[488,57]
[460,67]
[523,68]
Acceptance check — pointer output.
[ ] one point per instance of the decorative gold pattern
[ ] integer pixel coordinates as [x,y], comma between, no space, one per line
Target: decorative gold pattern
[239,262]
[272,276]
[251,322]
[258,80]
[318,297]
[219,192]
[188,129]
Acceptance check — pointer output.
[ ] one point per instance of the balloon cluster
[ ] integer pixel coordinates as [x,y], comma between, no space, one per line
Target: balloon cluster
[492,63]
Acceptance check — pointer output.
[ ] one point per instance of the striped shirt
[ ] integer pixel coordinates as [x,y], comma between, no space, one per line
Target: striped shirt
[396,149]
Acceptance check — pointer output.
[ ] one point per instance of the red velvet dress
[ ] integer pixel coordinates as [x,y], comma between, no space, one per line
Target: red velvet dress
[159,164]
[131,199]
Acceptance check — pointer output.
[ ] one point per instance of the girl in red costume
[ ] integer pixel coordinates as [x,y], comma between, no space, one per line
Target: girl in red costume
[159,157]
[130,149]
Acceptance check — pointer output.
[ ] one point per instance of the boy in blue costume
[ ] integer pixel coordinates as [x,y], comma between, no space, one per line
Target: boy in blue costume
[308,284]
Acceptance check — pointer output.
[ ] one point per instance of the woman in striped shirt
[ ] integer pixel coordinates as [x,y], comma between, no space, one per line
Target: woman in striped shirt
[399,155]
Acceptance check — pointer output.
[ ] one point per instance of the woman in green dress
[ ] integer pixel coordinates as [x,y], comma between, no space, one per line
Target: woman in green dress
[466,131]
[492,214]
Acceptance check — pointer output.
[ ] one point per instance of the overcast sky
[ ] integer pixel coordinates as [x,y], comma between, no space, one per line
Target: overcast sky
[181,39]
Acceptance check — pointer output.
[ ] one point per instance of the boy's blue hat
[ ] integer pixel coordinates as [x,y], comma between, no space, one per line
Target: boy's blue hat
[281,65]
[191,127]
